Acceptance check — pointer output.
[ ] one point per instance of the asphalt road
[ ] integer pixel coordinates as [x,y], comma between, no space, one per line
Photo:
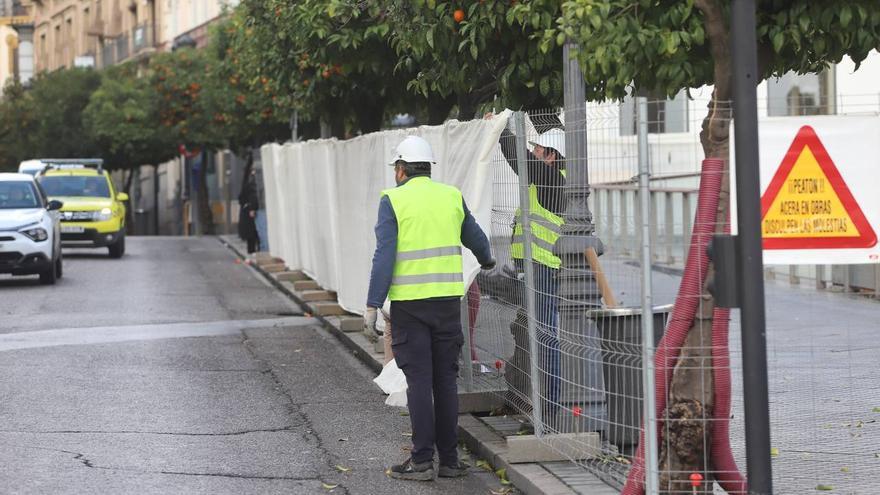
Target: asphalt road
[175,370]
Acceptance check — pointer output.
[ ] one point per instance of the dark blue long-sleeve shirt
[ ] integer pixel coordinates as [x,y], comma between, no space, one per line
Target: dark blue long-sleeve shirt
[472,237]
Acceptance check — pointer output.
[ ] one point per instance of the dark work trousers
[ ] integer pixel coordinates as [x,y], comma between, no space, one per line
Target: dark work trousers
[427,340]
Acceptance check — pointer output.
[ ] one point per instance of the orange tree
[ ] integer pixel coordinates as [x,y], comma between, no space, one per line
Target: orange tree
[17,126]
[476,51]
[244,111]
[178,80]
[330,59]
[121,118]
[661,47]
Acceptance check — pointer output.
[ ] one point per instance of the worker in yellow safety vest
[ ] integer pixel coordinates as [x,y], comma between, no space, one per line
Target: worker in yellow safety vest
[417,264]
[545,165]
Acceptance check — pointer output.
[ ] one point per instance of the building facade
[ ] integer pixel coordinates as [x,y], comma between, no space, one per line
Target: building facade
[16,42]
[91,33]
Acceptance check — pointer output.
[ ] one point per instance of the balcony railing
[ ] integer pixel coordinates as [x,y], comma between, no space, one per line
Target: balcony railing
[127,45]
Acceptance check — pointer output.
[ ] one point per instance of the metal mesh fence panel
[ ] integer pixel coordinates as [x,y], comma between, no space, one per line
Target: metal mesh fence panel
[557,333]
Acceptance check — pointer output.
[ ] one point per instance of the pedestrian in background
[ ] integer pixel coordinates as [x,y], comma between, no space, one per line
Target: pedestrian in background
[418,265]
[249,203]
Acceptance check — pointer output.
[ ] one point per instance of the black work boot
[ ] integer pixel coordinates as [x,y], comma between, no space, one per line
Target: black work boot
[415,471]
[457,470]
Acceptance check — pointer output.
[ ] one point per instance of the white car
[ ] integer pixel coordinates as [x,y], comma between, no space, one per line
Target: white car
[30,237]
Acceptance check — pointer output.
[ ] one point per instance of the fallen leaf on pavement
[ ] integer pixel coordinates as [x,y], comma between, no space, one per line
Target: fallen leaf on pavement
[406,434]
[844,469]
[876,409]
[328,486]
[774,452]
[824,488]
[484,465]
[501,491]
[342,469]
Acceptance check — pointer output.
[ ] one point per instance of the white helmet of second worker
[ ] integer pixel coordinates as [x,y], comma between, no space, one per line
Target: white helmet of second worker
[554,138]
[413,149]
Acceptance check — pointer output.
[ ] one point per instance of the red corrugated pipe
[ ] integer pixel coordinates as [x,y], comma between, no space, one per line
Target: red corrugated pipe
[683,313]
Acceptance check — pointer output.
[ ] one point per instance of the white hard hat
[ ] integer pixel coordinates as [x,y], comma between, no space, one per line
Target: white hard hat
[413,149]
[554,138]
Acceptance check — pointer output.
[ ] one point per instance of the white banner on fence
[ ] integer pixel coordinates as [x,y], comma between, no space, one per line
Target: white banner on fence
[820,189]
[322,197]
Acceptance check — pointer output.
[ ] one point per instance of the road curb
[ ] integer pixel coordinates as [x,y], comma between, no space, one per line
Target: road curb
[325,320]
[529,478]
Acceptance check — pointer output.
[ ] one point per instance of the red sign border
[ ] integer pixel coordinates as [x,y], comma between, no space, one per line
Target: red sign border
[806,136]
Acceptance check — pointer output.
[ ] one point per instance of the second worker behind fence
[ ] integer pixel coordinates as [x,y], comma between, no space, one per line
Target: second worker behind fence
[418,265]
[545,166]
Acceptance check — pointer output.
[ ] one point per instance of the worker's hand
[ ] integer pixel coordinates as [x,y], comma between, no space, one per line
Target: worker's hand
[488,116]
[489,264]
[370,317]
[253,214]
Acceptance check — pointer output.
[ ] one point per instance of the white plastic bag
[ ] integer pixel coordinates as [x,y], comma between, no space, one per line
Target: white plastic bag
[392,381]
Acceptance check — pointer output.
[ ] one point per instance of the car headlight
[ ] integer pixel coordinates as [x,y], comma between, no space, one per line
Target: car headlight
[36,234]
[104,214]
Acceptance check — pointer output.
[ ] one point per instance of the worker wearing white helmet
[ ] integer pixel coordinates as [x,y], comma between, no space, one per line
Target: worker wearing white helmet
[421,228]
[545,165]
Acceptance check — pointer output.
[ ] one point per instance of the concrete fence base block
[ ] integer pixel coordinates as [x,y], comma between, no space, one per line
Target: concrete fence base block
[326,309]
[274,268]
[291,276]
[316,295]
[557,447]
[301,285]
[351,323]
[262,256]
[379,346]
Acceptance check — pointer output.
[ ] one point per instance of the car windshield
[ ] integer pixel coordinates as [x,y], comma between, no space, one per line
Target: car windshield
[18,194]
[75,185]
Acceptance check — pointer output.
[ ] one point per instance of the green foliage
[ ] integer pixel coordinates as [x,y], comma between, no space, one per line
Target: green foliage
[662,46]
[59,99]
[17,126]
[496,50]
[121,118]
[178,78]
[245,111]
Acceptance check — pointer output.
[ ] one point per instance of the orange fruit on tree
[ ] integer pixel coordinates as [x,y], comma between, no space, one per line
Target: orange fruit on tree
[458,15]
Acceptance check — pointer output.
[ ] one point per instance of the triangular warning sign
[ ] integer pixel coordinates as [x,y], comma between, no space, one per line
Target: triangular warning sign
[808,205]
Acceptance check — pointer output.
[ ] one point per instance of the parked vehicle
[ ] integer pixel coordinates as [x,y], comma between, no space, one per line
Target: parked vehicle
[30,238]
[94,212]
[31,167]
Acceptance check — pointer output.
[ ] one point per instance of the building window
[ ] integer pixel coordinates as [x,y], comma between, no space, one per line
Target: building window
[801,94]
[664,116]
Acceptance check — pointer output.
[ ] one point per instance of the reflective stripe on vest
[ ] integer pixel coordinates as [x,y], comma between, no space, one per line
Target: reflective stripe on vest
[546,228]
[428,262]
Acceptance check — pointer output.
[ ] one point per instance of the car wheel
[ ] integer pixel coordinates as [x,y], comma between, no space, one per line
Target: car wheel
[117,249]
[50,275]
[59,269]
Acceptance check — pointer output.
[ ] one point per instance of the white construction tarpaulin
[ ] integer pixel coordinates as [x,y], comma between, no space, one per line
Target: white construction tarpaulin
[322,197]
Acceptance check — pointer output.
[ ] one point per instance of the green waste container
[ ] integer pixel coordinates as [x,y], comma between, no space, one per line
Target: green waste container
[620,331]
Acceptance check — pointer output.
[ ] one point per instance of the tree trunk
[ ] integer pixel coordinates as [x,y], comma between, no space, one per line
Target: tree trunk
[206,216]
[370,114]
[129,210]
[684,447]
[467,108]
[439,108]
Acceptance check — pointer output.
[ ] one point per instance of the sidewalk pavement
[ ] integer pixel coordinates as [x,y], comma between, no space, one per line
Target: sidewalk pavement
[481,440]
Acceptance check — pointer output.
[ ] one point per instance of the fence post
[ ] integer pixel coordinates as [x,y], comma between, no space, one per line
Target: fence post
[650,401]
[580,354]
[686,220]
[744,55]
[468,345]
[529,294]
[669,227]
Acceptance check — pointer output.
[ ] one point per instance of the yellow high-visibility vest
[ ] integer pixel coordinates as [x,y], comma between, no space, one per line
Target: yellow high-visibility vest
[546,228]
[429,218]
